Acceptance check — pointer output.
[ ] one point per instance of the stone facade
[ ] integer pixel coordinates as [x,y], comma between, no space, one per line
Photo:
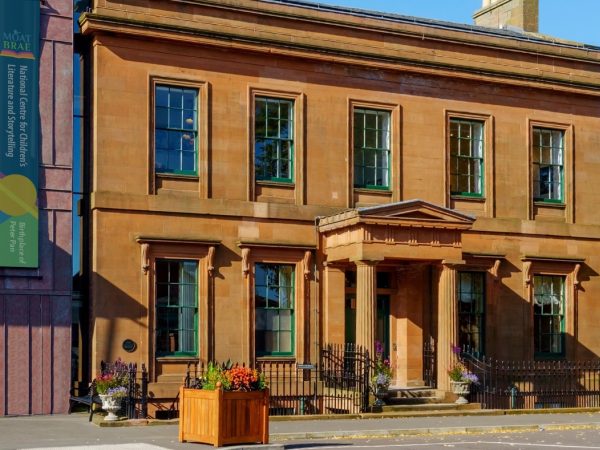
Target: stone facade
[349,248]
[35,304]
[520,15]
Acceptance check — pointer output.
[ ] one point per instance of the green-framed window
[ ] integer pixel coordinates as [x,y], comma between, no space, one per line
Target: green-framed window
[176,130]
[466,157]
[372,148]
[274,139]
[471,310]
[176,307]
[274,308]
[548,164]
[549,315]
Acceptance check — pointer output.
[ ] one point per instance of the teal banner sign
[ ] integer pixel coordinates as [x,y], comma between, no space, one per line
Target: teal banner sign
[19,132]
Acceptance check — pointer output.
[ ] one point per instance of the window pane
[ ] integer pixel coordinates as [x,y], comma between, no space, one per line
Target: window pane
[189,119]
[275,281]
[162,117]
[174,140]
[548,158]
[371,147]
[176,306]
[176,110]
[273,109]
[187,142]
[162,96]
[370,119]
[273,157]
[471,309]
[162,294]
[548,293]
[189,99]
[285,342]
[466,168]
[175,98]
[285,320]
[370,138]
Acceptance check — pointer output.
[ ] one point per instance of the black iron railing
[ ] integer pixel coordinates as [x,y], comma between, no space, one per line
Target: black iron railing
[346,371]
[338,383]
[534,384]
[429,363]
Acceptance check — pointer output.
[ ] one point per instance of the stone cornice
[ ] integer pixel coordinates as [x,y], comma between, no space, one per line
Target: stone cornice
[411,26]
[285,45]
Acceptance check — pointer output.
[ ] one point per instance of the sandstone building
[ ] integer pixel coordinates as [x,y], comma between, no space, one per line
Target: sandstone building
[266,177]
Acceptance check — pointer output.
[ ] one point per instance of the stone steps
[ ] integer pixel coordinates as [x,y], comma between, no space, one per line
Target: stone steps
[422,399]
[415,395]
[430,407]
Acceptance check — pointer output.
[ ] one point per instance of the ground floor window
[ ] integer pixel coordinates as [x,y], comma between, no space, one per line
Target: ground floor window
[471,310]
[274,303]
[176,307]
[549,314]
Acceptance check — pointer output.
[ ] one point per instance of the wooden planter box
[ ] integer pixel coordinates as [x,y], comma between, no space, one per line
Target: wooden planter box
[220,418]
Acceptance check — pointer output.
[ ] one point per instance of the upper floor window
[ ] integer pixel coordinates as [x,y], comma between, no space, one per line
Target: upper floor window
[471,310]
[466,157]
[549,314]
[274,139]
[274,303]
[176,130]
[372,148]
[176,307]
[548,164]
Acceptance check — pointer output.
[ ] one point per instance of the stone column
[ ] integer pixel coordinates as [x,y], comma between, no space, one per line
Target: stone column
[366,305]
[447,318]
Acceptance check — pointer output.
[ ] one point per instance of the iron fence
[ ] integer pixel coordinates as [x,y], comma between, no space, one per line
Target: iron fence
[429,363]
[338,384]
[534,384]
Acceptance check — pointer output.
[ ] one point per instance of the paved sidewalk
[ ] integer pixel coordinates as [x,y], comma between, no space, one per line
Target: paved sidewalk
[74,431]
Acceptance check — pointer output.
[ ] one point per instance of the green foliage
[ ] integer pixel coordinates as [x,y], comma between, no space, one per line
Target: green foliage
[230,378]
[215,374]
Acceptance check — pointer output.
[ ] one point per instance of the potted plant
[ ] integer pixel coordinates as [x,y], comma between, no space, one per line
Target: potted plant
[111,386]
[382,375]
[461,379]
[228,405]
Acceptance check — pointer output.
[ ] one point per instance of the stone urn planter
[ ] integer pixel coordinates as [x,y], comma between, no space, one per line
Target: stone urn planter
[381,393]
[111,405]
[461,388]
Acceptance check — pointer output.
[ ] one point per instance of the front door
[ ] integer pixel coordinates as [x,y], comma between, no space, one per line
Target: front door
[382,324]
[382,321]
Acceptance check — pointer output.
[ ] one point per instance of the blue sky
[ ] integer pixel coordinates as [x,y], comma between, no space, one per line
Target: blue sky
[576,20]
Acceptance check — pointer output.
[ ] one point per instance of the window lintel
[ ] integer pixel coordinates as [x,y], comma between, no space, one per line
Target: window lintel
[180,241]
[552,259]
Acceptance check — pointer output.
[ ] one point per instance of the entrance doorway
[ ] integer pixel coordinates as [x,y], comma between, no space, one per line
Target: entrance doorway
[382,321]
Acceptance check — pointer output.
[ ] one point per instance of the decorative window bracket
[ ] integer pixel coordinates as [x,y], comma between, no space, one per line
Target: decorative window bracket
[245,263]
[307,259]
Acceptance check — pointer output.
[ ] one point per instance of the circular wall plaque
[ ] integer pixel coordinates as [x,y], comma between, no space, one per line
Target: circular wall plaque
[129,346]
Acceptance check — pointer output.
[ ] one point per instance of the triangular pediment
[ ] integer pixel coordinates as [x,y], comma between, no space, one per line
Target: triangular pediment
[418,210]
[409,213]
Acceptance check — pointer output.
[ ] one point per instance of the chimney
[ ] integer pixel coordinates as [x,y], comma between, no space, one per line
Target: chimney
[519,15]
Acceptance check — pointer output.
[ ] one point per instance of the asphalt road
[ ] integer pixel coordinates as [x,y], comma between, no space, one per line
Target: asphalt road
[540,440]
[535,431]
